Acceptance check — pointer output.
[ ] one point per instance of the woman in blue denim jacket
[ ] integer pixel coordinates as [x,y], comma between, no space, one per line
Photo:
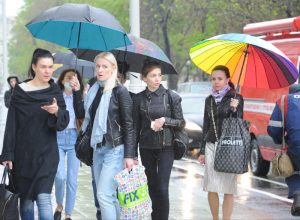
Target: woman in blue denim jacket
[66,140]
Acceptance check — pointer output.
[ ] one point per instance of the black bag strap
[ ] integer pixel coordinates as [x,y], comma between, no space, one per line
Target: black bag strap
[170,101]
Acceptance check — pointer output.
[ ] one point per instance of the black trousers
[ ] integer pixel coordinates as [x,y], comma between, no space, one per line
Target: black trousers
[158,164]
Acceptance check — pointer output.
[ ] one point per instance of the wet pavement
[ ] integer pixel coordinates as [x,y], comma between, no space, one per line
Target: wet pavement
[257,198]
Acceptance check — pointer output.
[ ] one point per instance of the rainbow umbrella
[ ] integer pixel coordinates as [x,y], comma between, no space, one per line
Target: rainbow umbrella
[252,62]
[135,54]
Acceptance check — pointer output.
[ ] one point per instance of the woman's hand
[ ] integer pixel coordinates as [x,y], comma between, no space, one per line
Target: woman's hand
[158,124]
[52,109]
[8,163]
[128,163]
[234,103]
[201,159]
[136,161]
[74,82]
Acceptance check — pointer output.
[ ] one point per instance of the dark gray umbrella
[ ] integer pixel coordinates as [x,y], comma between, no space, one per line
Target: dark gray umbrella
[70,61]
[135,54]
[79,26]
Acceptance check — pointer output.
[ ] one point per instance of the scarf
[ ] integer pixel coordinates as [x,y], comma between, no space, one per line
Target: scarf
[218,95]
[100,121]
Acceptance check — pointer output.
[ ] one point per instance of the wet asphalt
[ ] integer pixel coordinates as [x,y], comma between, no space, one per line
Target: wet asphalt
[257,198]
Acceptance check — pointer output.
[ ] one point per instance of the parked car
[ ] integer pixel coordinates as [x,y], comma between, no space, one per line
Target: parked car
[193,112]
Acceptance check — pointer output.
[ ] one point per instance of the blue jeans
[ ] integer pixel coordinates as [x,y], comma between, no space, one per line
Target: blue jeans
[107,162]
[158,165]
[66,145]
[43,202]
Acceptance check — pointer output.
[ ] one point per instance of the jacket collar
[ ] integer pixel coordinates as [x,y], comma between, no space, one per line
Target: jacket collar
[161,90]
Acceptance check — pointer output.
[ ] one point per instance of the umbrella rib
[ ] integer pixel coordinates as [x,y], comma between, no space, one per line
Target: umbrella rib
[103,37]
[263,54]
[71,34]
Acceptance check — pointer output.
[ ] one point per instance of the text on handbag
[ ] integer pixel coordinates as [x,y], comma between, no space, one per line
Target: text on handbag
[231,141]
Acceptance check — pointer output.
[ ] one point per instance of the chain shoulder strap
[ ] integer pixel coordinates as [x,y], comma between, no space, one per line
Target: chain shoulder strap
[213,119]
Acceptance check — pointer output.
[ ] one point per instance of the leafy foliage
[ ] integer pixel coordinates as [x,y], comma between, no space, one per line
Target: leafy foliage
[174,25]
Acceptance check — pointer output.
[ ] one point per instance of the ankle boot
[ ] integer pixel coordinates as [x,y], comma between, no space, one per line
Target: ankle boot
[295,210]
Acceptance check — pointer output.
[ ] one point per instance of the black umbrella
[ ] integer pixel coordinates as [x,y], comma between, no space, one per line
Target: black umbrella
[134,54]
[79,26]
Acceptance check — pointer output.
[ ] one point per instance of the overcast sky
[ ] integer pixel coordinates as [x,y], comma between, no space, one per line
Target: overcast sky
[12,7]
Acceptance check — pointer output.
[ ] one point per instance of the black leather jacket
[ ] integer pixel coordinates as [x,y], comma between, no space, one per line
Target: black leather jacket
[119,121]
[145,136]
[221,111]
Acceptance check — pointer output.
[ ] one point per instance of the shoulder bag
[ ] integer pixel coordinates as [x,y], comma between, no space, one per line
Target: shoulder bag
[281,163]
[232,152]
[9,209]
[180,137]
[84,151]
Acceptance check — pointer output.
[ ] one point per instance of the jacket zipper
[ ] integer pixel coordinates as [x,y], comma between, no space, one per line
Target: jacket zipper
[112,137]
[118,125]
[148,110]
[165,116]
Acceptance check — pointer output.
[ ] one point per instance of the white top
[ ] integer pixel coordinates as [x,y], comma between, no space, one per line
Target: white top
[27,87]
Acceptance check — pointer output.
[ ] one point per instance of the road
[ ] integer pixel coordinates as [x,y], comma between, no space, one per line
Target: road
[257,198]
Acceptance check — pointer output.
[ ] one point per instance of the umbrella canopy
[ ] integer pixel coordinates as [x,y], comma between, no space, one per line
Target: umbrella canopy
[252,62]
[79,26]
[70,61]
[135,54]
[85,71]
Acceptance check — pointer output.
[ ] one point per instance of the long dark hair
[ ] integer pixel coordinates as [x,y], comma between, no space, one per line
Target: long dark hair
[227,74]
[38,53]
[64,73]
[149,66]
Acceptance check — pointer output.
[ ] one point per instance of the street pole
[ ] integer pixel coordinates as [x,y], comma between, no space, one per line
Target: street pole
[135,84]
[4,43]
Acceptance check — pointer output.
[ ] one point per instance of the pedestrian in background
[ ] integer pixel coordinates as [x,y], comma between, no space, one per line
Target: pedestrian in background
[12,81]
[220,104]
[155,117]
[108,109]
[292,137]
[37,110]
[66,140]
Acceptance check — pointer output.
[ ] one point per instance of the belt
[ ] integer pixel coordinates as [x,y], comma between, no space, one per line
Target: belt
[101,144]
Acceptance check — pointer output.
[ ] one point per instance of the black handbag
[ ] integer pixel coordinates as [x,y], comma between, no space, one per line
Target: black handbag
[180,143]
[180,138]
[232,152]
[84,151]
[9,209]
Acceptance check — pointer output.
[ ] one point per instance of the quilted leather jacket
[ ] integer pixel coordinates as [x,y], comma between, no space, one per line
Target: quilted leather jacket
[220,111]
[119,121]
[145,136]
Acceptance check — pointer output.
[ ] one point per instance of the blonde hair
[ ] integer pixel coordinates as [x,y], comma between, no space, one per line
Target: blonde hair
[112,80]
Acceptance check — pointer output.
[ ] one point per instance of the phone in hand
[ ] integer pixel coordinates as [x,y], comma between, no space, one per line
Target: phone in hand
[46,103]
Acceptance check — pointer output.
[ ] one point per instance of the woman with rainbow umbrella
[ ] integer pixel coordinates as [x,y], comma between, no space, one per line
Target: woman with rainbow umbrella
[247,61]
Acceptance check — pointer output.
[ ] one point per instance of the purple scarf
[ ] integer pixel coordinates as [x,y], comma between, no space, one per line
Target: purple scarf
[218,95]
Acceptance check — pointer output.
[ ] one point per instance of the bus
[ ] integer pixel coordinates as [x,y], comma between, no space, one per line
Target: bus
[259,103]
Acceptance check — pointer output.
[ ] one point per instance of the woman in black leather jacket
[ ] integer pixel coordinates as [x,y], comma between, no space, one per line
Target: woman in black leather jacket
[155,117]
[108,107]
[219,105]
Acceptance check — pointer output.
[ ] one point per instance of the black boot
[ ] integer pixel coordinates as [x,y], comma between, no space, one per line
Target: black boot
[295,210]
